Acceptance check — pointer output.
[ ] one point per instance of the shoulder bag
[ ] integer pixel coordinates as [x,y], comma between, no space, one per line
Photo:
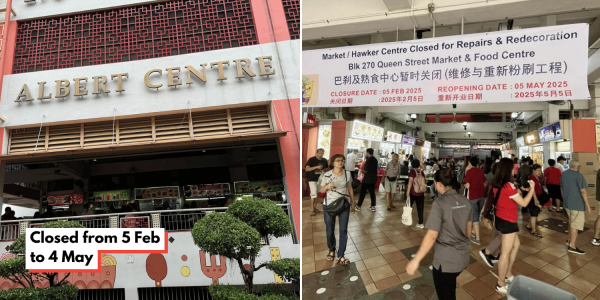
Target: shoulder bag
[339,205]
[489,209]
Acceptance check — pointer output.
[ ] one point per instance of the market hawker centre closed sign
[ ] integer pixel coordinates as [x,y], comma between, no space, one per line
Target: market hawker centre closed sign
[98,83]
[538,64]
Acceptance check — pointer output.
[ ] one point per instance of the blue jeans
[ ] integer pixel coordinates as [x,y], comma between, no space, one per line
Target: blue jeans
[343,230]
[476,207]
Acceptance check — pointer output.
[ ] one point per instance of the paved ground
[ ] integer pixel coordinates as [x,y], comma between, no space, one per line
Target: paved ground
[380,245]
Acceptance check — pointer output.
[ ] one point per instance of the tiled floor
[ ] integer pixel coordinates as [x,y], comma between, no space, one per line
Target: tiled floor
[379,246]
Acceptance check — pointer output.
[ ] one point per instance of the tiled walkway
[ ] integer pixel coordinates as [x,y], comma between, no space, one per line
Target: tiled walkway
[380,246]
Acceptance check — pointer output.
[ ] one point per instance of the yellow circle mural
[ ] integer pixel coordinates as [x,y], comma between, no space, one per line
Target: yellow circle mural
[185,271]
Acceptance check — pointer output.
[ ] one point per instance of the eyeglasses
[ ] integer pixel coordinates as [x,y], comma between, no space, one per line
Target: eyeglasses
[339,160]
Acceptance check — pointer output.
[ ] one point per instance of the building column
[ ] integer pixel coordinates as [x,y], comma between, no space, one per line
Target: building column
[288,111]
[270,22]
[594,101]
[2,175]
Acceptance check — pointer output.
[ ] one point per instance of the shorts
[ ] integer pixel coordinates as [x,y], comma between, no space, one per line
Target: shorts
[534,210]
[554,191]
[390,187]
[506,227]
[476,207]
[576,218]
[314,189]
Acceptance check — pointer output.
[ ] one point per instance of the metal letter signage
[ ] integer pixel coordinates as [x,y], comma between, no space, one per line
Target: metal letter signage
[537,64]
[63,88]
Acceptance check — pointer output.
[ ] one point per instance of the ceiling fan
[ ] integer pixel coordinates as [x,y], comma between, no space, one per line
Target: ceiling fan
[56,172]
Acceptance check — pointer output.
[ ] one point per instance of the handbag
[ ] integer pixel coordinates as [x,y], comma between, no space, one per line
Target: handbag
[489,209]
[339,205]
[391,179]
[407,214]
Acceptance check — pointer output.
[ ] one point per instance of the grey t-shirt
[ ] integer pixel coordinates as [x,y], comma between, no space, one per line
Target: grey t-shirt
[572,183]
[392,170]
[449,216]
[341,185]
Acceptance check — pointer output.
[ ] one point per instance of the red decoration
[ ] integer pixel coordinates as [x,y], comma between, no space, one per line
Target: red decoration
[292,15]
[156,268]
[134,33]
[213,271]
[135,222]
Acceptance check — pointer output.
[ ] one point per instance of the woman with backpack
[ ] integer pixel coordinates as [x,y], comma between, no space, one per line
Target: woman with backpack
[506,213]
[337,184]
[417,188]
[448,228]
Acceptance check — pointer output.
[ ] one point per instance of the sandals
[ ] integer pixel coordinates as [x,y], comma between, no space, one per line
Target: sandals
[392,206]
[536,234]
[389,208]
[313,213]
[343,261]
[330,257]
[317,211]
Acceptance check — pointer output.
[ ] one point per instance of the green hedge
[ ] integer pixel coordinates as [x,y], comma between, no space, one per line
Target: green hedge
[230,292]
[66,292]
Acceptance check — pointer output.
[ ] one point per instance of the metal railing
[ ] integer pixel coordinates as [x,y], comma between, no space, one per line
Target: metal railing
[170,220]
[9,230]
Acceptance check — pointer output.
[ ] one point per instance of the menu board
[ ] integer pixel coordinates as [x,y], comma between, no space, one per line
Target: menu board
[394,137]
[157,193]
[427,144]
[258,186]
[112,195]
[520,141]
[206,190]
[532,138]
[408,140]
[324,140]
[356,144]
[65,199]
[550,133]
[365,131]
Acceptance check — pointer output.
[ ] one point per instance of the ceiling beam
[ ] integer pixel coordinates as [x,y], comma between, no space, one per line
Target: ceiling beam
[471,126]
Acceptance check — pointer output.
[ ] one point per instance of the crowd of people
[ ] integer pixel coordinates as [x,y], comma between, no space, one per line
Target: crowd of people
[495,190]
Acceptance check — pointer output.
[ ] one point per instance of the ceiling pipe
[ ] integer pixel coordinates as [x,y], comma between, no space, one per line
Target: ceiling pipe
[415,24]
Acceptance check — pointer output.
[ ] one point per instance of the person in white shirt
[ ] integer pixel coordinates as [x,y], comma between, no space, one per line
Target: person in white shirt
[561,163]
[351,163]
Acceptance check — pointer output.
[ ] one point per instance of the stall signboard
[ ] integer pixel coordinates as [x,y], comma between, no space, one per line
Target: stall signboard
[550,133]
[419,142]
[394,137]
[366,131]
[500,66]
[520,141]
[206,190]
[532,138]
[597,138]
[324,140]
[356,144]
[408,140]
[112,195]
[538,149]
[166,192]
[426,144]
[66,199]
[563,147]
[258,186]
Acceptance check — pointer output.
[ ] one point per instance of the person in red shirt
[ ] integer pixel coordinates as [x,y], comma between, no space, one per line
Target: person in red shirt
[506,219]
[475,183]
[535,207]
[552,182]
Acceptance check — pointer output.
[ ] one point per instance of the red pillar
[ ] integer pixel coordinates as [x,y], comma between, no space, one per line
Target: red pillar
[287,113]
[584,135]
[338,138]
[7,55]
[269,21]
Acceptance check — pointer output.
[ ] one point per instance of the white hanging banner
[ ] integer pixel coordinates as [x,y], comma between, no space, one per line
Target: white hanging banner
[538,64]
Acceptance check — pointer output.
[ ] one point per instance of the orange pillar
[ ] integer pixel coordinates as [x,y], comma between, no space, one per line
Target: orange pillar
[338,138]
